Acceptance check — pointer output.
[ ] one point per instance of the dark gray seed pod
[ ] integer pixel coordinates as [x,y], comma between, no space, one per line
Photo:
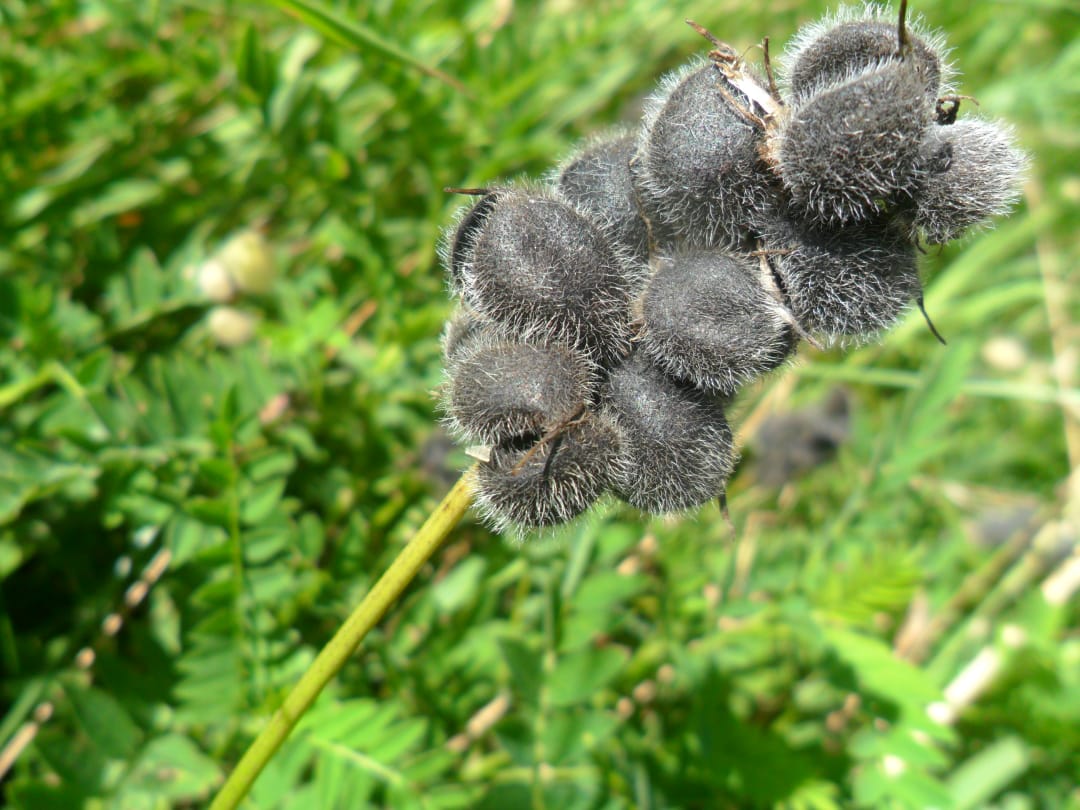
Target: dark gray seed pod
[854,148]
[462,326]
[676,443]
[838,47]
[543,271]
[973,172]
[456,247]
[850,284]
[531,486]
[597,180]
[709,320]
[499,390]
[698,169]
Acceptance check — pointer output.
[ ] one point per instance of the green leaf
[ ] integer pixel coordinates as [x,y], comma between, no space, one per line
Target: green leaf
[79,763]
[981,777]
[217,472]
[173,767]
[118,197]
[406,736]
[253,62]
[461,585]
[104,720]
[880,671]
[570,735]
[580,675]
[607,590]
[36,796]
[276,463]
[526,668]
[212,511]
[261,502]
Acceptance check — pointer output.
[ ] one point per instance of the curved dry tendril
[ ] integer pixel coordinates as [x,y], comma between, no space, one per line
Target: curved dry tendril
[727,59]
[926,317]
[946,115]
[768,276]
[774,91]
[551,436]
[903,44]
[470,192]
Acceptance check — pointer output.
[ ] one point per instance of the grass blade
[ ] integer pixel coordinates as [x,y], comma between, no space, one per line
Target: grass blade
[359,37]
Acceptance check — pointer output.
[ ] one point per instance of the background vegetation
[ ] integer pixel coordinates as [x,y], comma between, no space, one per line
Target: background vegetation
[624,663]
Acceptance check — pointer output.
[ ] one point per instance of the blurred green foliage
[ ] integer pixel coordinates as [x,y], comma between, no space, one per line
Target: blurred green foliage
[623,662]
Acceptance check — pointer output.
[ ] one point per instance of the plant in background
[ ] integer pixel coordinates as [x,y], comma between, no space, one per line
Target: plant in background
[582,363]
[767,218]
[844,648]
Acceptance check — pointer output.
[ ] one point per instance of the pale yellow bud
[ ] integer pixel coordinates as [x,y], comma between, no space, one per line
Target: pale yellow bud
[214,281]
[231,326]
[249,262]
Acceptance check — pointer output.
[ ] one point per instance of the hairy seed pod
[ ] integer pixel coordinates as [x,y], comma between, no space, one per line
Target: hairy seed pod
[597,180]
[456,247]
[698,168]
[973,172]
[840,46]
[849,284]
[709,320]
[499,390]
[529,486]
[607,318]
[676,443]
[462,326]
[855,147]
[543,271]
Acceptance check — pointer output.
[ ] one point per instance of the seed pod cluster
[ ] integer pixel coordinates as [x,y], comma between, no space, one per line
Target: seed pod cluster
[609,315]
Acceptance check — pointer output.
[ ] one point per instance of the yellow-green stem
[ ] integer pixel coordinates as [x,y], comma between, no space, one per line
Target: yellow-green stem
[345,642]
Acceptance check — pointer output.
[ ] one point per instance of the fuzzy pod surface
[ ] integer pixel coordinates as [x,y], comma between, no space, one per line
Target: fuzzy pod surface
[597,180]
[853,283]
[698,168]
[456,248]
[973,173]
[855,146]
[708,320]
[541,270]
[498,390]
[460,328]
[677,450]
[581,373]
[528,486]
[836,48]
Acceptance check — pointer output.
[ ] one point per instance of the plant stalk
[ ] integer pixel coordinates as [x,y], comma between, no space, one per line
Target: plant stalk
[345,642]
